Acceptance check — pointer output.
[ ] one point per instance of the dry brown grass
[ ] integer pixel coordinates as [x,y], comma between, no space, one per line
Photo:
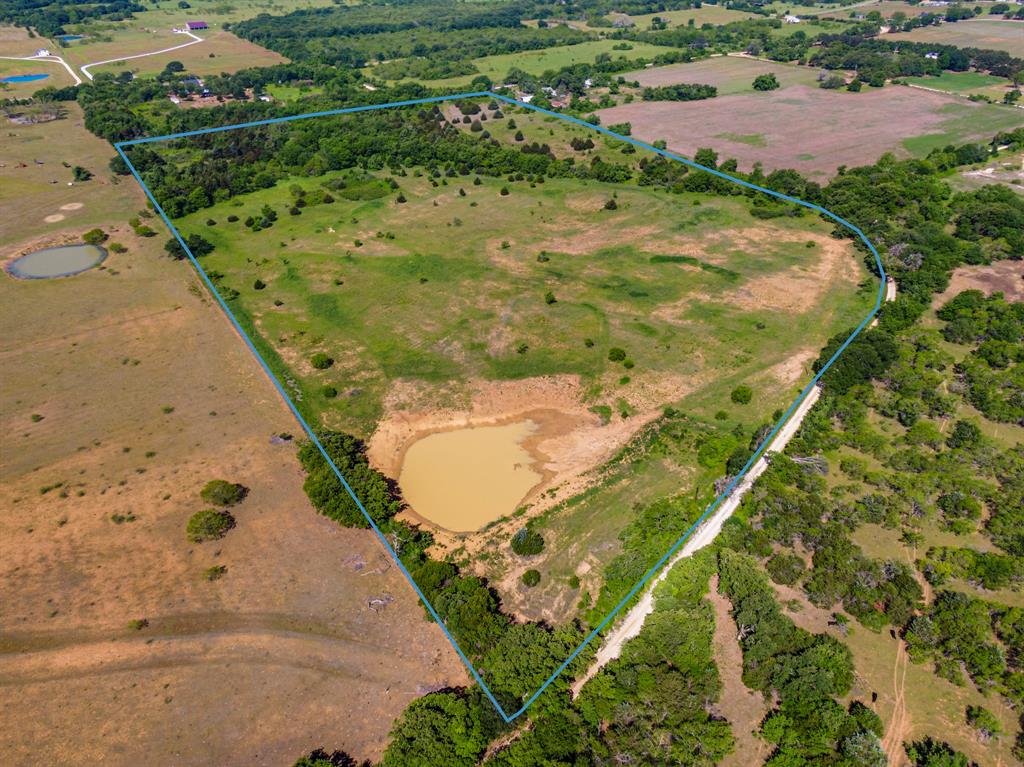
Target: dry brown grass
[279,656]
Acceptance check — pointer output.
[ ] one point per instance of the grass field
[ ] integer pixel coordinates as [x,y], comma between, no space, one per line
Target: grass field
[124,391]
[772,128]
[730,74]
[220,51]
[58,77]
[706,14]
[986,32]
[966,84]
[421,303]
[538,62]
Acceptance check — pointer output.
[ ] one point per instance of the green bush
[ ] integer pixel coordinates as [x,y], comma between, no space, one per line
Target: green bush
[741,395]
[527,542]
[321,361]
[94,236]
[531,578]
[615,354]
[768,82]
[329,392]
[209,525]
[214,573]
[220,492]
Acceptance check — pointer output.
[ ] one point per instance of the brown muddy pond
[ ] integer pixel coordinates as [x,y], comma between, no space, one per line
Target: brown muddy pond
[461,480]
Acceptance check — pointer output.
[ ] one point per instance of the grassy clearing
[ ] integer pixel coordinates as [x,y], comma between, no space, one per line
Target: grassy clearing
[994,33]
[220,51]
[30,192]
[964,122]
[730,74]
[451,286]
[538,62]
[706,14]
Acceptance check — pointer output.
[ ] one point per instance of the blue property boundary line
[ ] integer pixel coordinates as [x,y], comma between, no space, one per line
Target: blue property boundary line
[312,435]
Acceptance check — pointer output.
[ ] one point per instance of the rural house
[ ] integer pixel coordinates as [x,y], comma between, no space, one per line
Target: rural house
[192,26]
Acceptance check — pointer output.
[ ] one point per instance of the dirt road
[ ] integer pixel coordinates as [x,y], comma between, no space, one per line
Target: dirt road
[633,621]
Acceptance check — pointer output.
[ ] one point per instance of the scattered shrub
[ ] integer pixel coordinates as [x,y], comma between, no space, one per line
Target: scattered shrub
[214,573]
[531,578]
[321,361]
[615,354]
[329,392]
[94,236]
[209,525]
[220,492]
[526,543]
[741,395]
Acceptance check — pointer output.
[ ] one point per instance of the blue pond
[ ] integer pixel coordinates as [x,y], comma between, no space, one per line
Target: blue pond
[22,78]
[65,38]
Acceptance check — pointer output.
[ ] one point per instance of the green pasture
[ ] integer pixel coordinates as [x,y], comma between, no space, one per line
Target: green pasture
[538,62]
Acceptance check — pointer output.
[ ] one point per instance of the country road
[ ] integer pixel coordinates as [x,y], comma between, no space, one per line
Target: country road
[52,59]
[195,39]
[630,625]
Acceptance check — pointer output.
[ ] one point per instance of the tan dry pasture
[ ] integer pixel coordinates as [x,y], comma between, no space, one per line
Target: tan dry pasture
[124,391]
[810,129]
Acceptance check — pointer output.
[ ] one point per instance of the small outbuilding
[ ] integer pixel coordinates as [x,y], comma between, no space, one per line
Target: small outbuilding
[192,26]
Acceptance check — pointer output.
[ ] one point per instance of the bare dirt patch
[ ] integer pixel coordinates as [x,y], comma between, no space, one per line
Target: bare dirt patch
[848,129]
[800,288]
[743,707]
[1006,277]
[568,443]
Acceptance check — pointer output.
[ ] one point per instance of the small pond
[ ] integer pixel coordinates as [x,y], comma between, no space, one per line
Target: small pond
[66,38]
[461,480]
[22,78]
[60,261]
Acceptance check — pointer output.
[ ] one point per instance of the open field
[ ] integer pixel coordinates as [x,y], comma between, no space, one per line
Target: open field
[58,77]
[1006,169]
[434,313]
[219,52]
[218,12]
[997,34]
[966,84]
[730,74]
[125,390]
[706,14]
[538,62]
[848,128]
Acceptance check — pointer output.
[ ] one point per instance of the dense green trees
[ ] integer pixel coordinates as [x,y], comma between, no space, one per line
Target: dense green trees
[330,498]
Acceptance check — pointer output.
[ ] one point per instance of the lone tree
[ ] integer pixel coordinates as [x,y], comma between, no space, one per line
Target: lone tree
[220,492]
[209,525]
[531,578]
[768,82]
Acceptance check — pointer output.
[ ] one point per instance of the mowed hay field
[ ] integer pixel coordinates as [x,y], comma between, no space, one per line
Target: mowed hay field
[124,391]
[994,33]
[848,129]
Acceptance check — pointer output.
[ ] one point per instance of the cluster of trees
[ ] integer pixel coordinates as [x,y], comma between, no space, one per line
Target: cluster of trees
[804,672]
[49,17]
[877,59]
[680,92]
[432,33]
